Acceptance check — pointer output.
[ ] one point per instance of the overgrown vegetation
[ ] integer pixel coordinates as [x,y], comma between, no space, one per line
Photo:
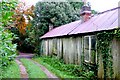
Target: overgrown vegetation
[11,71]
[7,8]
[51,14]
[7,49]
[103,47]
[58,73]
[21,22]
[33,70]
[67,70]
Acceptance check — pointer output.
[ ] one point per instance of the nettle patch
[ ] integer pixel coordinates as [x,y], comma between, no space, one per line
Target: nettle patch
[103,47]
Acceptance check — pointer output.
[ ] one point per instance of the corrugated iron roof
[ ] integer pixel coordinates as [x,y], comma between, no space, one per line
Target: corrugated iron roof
[100,22]
[62,30]
[104,21]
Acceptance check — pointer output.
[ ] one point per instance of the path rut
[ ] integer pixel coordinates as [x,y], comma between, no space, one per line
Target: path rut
[23,71]
[47,72]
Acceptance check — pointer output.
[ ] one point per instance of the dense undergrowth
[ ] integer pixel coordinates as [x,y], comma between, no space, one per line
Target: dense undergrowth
[70,70]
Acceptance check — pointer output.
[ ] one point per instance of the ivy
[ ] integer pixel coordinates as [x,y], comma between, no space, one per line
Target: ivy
[117,34]
[103,47]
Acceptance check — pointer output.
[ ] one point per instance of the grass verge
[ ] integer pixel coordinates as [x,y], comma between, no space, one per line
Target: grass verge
[11,71]
[54,68]
[33,70]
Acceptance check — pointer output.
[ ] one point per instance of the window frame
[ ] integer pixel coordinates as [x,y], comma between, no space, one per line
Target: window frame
[90,49]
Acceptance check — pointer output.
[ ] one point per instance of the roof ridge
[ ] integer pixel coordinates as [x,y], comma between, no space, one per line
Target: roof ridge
[108,10]
[75,27]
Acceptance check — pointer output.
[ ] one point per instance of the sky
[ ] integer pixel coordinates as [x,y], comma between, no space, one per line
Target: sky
[102,5]
[98,5]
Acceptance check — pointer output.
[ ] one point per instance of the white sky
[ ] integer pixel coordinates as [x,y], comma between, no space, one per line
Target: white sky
[98,5]
[102,5]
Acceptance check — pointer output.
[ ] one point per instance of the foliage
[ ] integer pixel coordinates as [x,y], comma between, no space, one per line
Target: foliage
[68,69]
[7,49]
[60,74]
[6,12]
[17,19]
[89,75]
[12,71]
[21,21]
[76,5]
[51,13]
[90,67]
[117,34]
[33,70]
[22,17]
[24,45]
[103,47]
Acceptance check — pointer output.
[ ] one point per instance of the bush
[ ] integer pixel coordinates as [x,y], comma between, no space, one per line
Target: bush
[7,49]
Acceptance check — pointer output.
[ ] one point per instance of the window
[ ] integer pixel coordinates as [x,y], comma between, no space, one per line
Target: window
[54,48]
[89,49]
[86,48]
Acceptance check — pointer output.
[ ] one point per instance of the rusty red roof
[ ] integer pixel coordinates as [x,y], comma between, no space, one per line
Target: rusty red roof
[104,21]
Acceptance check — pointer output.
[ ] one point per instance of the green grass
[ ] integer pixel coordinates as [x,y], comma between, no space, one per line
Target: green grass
[11,71]
[56,71]
[33,70]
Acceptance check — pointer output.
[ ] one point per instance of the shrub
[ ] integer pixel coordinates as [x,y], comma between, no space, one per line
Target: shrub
[7,49]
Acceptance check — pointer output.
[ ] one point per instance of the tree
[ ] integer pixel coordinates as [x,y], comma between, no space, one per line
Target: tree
[53,13]
[22,17]
[21,22]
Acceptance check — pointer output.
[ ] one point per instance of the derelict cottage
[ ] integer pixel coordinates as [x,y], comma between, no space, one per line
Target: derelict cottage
[77,42]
